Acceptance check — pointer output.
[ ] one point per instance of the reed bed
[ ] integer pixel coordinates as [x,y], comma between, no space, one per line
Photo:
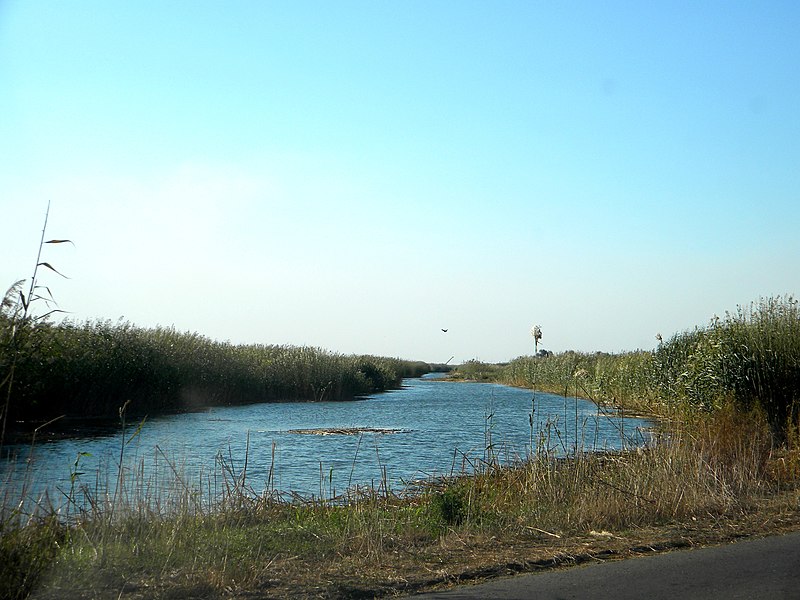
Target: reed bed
[750,357]
[90,369]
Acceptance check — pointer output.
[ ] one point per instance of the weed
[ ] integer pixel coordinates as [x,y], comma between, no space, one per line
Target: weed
[450,506]
[16,325]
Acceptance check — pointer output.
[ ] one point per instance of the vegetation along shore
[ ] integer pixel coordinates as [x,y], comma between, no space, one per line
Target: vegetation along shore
[724,464]
[88,370]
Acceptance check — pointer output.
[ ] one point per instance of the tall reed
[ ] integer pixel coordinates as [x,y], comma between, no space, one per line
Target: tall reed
[17,319]
[89,369]
[750,357]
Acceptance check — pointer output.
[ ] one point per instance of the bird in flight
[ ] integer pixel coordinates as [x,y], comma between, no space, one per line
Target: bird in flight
[445,330]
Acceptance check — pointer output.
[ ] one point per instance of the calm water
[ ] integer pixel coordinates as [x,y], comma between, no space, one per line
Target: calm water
[441,427]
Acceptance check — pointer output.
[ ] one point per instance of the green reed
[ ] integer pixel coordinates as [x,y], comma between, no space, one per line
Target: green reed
[17,318]
[89,369]
[750,357]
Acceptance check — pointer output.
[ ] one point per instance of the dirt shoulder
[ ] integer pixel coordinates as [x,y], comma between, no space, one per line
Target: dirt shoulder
[458,560]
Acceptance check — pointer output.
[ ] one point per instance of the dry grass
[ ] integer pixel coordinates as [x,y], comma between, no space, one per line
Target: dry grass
[707,480]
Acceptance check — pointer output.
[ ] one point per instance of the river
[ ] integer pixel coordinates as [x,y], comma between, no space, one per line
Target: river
[429,428]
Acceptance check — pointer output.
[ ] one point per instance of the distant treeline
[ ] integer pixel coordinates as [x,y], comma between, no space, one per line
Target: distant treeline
[750,358]
[92,369]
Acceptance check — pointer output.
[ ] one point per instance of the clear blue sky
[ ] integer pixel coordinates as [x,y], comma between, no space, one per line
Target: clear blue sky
[359,175]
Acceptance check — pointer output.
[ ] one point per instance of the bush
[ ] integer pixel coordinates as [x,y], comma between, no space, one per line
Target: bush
[450,506]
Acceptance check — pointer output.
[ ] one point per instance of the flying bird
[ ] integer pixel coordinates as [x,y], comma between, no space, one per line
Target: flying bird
[445,330]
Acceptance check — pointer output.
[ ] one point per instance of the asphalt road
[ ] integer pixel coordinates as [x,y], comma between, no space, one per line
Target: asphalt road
[754,569]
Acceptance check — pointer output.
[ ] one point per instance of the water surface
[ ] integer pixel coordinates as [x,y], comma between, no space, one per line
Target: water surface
[439,428]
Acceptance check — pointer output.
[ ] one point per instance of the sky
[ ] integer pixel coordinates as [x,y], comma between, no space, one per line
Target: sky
[358,176]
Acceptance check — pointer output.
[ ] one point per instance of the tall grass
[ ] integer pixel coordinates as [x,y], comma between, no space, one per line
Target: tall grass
[16,319]
[754,355]
[751,357]
[626,379]
[89,369]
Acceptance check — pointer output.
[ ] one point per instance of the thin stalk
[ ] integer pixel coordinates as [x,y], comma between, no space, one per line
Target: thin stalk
[576,417]
[14,330]
[120,475]
[353,465]
[10,385]
[533,409]
[25,304]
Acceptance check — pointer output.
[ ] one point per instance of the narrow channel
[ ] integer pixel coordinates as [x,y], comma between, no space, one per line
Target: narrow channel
[427,429]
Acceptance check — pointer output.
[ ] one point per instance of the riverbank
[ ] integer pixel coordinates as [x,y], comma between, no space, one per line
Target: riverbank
[726,465]
[719,478]
[72,372]
[459,559]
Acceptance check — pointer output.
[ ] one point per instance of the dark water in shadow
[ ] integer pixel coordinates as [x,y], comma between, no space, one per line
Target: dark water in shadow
[441,428]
